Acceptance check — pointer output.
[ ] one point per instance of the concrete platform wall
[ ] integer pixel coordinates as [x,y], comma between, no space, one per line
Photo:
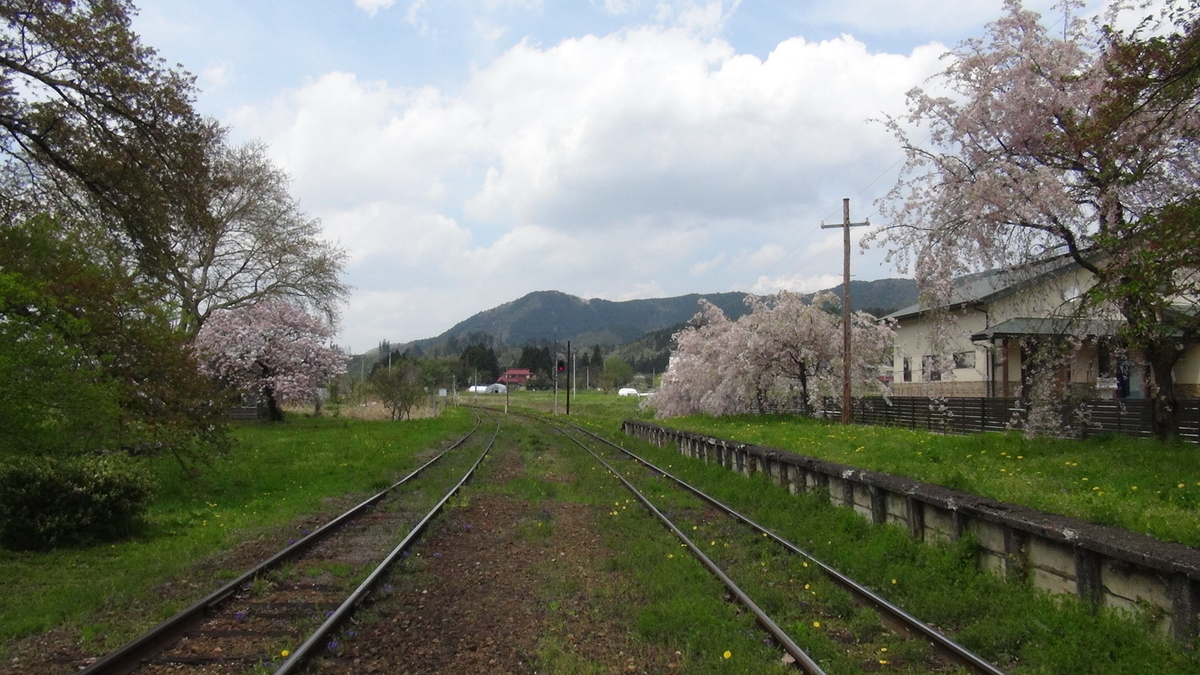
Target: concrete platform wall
[1105,566]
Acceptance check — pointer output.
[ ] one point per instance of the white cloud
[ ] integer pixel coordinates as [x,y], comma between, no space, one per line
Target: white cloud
[617,7]
[373,6]
[797,283]
[414,10]
[646,162]
[215,76]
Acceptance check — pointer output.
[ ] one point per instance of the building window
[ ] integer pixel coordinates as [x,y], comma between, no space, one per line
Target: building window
[929,371]
[964,360]
[907,369]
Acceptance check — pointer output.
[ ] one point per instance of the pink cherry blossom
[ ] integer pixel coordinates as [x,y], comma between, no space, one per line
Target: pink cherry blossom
[273,348]
[784,354]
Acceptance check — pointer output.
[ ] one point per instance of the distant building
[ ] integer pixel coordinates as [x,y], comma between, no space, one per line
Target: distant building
[515,377]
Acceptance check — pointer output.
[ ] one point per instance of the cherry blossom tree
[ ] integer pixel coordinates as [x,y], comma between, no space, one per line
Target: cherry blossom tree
[1078,139]
[785,353]
[801,343]
[708,370]
[274,348]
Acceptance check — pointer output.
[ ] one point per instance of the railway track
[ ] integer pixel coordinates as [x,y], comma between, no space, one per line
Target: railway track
[286,610]
[707,510]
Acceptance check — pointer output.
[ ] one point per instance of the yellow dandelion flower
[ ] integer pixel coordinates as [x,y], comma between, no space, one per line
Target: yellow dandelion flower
[816,624]
[728,654]
[285,653]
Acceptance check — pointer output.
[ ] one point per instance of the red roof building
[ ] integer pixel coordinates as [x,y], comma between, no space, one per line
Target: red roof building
[515,377]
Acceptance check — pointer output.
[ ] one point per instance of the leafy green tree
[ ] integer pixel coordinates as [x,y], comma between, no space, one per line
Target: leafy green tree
[91,362]
[400,388]
[97,126]
[55,398]
[617,373]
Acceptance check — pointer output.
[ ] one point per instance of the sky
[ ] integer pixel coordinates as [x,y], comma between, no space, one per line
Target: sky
[466,152]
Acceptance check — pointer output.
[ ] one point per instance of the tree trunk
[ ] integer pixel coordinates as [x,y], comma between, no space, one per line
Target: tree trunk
[274,414]
[1165,417]
[804,389]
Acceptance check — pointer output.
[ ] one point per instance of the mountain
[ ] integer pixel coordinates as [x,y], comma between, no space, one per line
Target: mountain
[540,317]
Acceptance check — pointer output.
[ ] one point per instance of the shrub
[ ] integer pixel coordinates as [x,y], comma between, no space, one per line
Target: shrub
[48,502]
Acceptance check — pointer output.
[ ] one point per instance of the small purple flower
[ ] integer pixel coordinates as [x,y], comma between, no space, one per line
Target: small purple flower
[437,555]
[240,616]
[387,588]
[333,645]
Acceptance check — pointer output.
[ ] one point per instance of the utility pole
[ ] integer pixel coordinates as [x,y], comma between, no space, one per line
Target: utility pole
[554,365]
[568,374]
[847,415]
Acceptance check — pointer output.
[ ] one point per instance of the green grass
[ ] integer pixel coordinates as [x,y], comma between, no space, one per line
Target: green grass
[274,475]
[1140,485]
[599,407]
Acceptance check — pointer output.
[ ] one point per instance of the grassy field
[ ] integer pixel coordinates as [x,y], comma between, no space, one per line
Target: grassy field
[273,475]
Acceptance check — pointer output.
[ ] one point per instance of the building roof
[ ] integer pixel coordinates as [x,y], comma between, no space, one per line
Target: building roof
[1029,326]
[984,288]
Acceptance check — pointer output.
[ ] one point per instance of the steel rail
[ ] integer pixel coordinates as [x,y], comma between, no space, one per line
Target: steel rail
[128,657]
[943,644]
[802,659]
[306,651]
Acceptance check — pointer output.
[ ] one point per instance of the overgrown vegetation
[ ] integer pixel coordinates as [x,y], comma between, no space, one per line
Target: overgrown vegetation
[53,502]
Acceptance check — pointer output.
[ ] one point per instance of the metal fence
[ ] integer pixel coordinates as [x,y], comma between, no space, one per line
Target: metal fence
[1080,419]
